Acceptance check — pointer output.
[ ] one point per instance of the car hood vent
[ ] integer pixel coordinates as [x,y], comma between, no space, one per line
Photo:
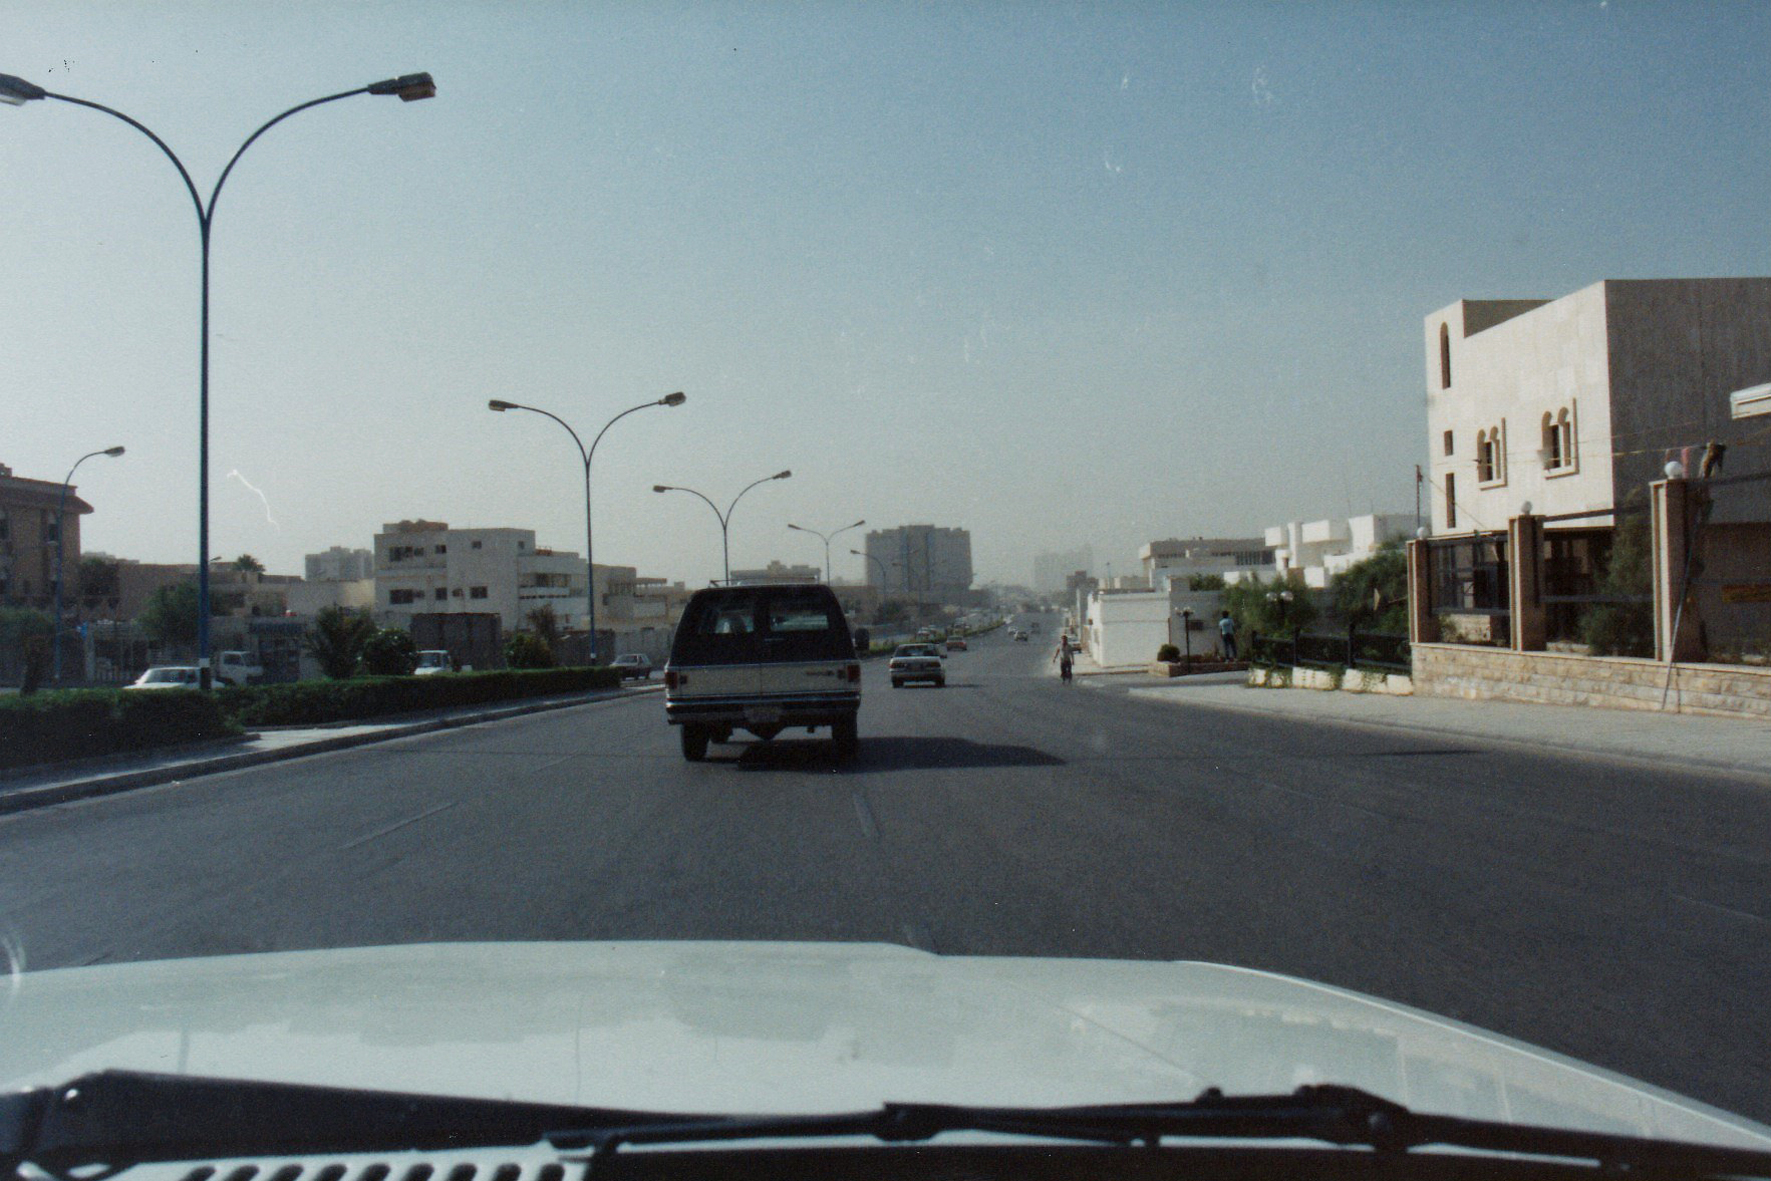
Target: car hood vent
[417,1168]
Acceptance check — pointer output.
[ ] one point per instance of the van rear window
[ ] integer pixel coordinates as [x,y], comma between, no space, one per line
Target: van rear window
[752,625]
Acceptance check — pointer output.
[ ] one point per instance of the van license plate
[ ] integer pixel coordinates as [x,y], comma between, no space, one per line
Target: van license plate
[762,713]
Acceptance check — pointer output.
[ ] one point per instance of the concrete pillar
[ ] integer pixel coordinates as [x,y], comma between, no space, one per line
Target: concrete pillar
[1530,618]
[1423,627]
[1670,510]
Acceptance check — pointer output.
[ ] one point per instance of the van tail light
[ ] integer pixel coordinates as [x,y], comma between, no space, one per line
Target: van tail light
[672,678]
[854,673]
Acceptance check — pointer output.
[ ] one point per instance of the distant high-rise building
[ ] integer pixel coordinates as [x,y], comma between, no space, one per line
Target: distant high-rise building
[927,561]
[339,564]
[1050,571]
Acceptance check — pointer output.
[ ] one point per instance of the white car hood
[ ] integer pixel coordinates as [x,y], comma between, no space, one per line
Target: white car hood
[756,1027]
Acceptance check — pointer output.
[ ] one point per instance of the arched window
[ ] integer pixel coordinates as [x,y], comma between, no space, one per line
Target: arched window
[1552,444]
[1484,458]
[1444,356]
[1565,435]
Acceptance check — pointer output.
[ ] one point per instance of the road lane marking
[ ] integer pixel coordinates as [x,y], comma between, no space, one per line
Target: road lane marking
[863,813]
[397,826]
[1744,914]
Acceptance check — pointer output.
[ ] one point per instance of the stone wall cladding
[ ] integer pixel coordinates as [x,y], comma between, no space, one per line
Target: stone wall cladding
[1614,682]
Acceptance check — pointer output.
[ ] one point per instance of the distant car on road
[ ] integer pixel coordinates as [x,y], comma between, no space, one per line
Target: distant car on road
[633,664]
[956,644]
[238,668]
[917,662]
[1019,636]
[167,676]
[432,661]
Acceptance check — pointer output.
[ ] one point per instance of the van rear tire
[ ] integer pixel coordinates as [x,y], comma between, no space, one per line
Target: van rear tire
[694,743]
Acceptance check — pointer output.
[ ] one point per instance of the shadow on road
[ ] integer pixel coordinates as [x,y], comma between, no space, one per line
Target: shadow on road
[886,753]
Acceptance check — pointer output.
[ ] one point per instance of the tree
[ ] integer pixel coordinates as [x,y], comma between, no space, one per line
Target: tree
[1271,608]
[524,650]
[170,616]
[1373,593]
[545,624]
[248,563]
[336,640]
[1205,582]
[390,652]
[1623,628]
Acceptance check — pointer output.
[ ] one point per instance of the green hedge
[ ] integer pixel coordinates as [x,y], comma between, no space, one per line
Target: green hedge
[307,703]
[78,723]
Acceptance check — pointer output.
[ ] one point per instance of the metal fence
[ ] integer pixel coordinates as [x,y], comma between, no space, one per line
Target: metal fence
[1727,583]
[1467,588]
[1376,651]
[1598,588]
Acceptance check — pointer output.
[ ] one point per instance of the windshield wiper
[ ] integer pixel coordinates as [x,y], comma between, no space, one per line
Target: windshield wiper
[119,1118]
[1340,1115]
[116,1119]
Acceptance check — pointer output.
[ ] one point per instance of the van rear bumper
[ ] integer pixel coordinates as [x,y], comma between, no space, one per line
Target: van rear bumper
[799,709]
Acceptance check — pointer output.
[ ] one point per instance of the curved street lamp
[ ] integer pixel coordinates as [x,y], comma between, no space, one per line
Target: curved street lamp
[61,531]
[16,92]
[826,539]
[676,399]
[884,575]
[725,518]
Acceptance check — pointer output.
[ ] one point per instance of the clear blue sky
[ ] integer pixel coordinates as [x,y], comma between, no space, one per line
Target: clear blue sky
[1054,273]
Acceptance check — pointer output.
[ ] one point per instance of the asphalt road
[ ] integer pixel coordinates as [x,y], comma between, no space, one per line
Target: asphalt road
[1617,914]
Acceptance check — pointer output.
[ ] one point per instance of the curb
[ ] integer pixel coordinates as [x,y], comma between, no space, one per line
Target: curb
[1751,771]
[26,799]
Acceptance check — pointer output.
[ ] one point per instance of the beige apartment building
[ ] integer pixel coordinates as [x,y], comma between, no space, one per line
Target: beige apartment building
[28,521]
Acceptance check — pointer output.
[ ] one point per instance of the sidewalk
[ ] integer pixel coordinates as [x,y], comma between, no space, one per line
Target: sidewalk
[59,783]
[1677,741]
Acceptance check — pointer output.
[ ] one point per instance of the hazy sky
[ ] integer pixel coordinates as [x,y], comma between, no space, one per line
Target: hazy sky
[1054,273]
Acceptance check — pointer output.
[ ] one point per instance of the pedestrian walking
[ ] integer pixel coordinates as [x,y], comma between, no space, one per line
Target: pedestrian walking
[1227,630]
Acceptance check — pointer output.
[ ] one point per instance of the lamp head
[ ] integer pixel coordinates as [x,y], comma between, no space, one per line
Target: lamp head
[16,92]
[676,399]
[780,475]
[113,452]
[410,87]
[661,487]
[496,404]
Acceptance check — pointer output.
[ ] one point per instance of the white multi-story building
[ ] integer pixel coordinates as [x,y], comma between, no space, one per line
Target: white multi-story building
[1319,550]
[425,566]
[1050,570]
[1230,557]
[1576,404]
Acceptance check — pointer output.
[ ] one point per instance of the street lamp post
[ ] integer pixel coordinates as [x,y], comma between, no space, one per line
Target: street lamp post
[725,518]
[61,532]
[884,574]
[16,92]
[676,399]
[826,539]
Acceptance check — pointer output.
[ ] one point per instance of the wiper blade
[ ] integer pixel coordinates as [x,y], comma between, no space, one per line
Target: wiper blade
[1345,1116]
[122,1118]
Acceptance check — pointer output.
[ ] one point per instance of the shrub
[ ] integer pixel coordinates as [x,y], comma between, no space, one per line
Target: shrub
[389,652]
[1623,629]
[317,702]
[1168,653]
[77,723]
[525,650]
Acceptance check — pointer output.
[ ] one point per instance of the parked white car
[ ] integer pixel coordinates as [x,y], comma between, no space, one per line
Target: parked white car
[432,661]
[167,676]
[238,668]
[633,664]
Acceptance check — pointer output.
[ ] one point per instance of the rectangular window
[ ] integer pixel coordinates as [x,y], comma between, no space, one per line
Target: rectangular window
[439,549]
[1450,501]
[400,598]
[476,545]
[476,592]
[1448,442]
[442,593]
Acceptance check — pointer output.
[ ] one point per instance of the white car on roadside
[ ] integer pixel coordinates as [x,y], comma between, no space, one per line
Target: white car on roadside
[167,676]
[633,664]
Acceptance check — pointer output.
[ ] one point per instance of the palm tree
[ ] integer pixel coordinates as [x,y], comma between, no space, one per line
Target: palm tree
[545,624]
[337,640]
[249,564]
